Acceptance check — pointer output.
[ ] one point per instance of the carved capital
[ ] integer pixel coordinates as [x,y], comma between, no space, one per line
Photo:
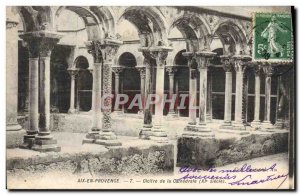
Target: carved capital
[103,50]
[40,43]
[204,58]
[268,70]
[171,70]
[142,70]
[227,62]
[192,62]
[73,72]
[241,62]
[117,70]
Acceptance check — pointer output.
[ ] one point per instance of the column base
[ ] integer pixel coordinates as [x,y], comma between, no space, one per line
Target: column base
[226,125]
[107,138]
[45,143]
[91,136]
[72,111]
[279,124]
[208,118]
[200,131]
[256,124]
[172,114]
[145,132]
[190,127]
[28,139]
[158,134]
[266,126]
[236,128]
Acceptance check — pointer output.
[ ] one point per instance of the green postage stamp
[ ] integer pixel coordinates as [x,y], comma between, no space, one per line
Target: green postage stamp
[272,37]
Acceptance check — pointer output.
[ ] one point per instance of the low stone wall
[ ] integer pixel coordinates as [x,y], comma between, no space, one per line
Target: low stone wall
[204,153]
[120,161]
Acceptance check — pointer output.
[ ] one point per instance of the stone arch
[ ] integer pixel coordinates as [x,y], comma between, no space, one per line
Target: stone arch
[27,16]
[150,23]
[90,20]
[84,84]
[106,17]
[194,29]
[127,58]
[232,37]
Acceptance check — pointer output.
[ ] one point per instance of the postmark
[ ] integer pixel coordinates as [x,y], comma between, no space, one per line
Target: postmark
[272,37]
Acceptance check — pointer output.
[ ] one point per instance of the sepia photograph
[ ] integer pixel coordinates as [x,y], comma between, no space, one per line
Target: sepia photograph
[150,97]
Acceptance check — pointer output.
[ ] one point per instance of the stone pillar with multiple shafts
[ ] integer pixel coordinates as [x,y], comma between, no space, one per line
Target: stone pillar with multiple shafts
[103,52]
[40,44]
[240,64]
[201,129]
[171,70]
[117,70]
[159,54]
[73,73]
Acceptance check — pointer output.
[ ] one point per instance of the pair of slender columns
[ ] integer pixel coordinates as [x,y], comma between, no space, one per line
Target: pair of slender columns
[103,52]
[239,63]
[40,45]
[202,63]
[155,131]
[256,122]
[171,70]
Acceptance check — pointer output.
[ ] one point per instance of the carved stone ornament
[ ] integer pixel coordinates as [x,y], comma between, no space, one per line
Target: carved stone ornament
[227,62]
[40,43]
[204,58]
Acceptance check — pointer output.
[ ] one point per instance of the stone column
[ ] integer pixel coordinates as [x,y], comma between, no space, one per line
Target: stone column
[192,64]
[228,67]
[145,131]
[201,129]
[13,135]
[256,122]
[117,70]
[42,42]
[91,72]
[266,125]
[106,136]
[142,70]
[209,95]
[240,63]
[73,72]
[171,70]
[159,54]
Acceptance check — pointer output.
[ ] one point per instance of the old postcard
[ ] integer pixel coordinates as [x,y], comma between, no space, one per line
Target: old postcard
[150,97]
